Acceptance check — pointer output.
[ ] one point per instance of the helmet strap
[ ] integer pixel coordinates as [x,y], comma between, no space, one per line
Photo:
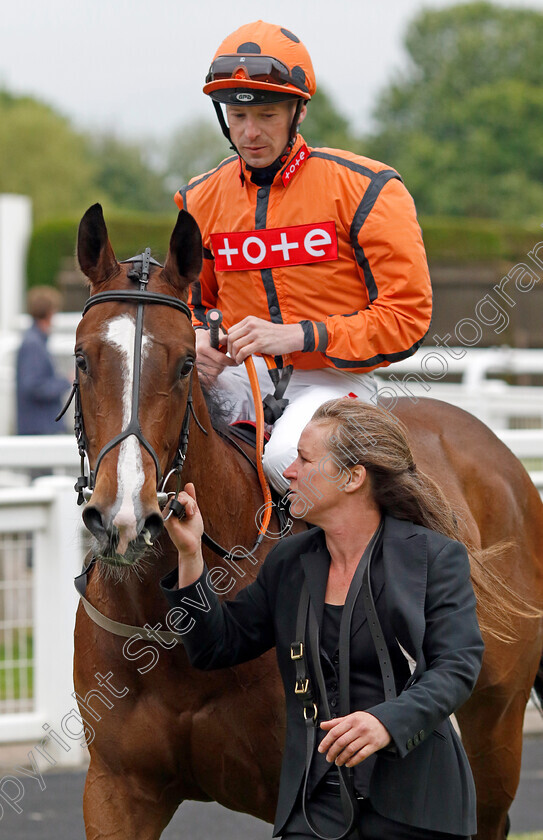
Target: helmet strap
[294,124]
[223,124]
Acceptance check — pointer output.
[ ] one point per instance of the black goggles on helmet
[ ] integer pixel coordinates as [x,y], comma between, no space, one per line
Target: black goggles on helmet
[258,68]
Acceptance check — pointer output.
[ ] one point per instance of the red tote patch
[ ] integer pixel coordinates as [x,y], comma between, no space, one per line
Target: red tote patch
[295,164]
[275,247]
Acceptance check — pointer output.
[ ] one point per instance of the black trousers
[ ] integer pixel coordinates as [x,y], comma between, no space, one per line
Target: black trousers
[326,814]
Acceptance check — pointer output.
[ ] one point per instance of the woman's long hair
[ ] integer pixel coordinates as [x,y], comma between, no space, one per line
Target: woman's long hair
[368,435]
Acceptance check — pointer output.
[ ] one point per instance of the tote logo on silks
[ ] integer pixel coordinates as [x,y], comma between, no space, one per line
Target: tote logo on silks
[275,247]
[294,165]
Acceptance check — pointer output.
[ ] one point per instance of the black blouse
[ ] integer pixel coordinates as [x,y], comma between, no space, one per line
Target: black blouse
[366,673]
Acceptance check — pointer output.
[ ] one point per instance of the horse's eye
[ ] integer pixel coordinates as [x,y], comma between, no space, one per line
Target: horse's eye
[186,368]
[81,362]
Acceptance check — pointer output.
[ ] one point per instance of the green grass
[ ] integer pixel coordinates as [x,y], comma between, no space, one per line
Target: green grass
[537,835]
[24,652]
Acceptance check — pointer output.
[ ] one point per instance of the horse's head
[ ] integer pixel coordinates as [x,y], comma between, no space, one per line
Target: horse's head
[135,355]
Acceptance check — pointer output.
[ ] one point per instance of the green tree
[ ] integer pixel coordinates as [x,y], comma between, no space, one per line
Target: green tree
[463,124]
[43,157]
[123,174]
[194,148]
[64,170]
[324,125]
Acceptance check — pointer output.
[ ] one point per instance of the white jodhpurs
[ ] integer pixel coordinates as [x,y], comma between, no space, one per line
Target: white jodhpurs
[306,391]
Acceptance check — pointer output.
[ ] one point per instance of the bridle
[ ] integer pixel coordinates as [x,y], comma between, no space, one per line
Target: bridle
[85,485]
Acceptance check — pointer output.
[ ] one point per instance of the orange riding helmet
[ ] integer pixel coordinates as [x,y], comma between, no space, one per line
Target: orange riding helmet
[260,63]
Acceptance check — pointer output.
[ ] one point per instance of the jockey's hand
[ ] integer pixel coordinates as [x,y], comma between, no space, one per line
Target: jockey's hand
[255,335]
[353,738]
[186,535]
[210,361]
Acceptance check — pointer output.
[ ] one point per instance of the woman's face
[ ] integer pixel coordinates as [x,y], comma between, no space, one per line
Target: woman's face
[316,477]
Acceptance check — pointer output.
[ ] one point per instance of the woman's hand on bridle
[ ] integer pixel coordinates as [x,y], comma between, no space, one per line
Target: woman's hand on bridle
[353,738]
[186,534]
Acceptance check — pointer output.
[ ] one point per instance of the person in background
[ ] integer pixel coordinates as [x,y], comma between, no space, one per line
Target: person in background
[39,387]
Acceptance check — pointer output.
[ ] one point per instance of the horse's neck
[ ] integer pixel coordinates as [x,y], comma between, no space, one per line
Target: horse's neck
[227,487]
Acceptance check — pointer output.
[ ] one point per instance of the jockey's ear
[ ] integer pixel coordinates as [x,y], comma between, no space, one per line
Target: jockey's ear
[184,261]
[94,252]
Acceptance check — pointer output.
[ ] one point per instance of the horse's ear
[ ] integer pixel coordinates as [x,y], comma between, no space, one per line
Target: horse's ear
[94,251]
[184,261]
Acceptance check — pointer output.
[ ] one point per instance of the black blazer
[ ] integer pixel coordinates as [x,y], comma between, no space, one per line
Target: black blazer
[425,780]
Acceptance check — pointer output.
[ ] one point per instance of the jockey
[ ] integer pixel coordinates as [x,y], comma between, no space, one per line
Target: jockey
[314,256]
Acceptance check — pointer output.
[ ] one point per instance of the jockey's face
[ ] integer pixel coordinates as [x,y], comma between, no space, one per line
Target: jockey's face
[261,132]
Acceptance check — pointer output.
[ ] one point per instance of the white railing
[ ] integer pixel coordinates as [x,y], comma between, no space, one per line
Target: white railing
[43,524]
[474,365]
[54,452]
[493,400]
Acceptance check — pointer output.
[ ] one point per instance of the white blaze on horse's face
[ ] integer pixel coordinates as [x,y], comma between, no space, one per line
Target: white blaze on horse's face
[119,332]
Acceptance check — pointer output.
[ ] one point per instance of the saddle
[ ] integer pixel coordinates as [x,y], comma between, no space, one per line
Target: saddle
[245,430]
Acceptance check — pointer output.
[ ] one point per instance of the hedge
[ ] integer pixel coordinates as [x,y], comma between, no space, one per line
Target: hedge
[53,241]
[447,240]
[460,241]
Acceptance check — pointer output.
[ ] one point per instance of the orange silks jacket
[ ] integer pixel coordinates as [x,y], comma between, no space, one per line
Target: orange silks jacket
[333,244]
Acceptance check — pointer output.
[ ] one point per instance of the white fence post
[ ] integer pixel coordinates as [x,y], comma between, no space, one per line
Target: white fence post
[59,556]
[15,228]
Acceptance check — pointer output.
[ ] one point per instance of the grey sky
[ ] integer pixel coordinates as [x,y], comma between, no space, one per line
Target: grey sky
[137,66]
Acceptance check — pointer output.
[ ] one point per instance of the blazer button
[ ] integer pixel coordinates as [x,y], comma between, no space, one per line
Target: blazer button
[410,744]
[333,702]
[333,687]
[416,740]
[422,734]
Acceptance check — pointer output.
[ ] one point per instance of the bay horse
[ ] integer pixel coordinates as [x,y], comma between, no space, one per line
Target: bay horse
[160,732]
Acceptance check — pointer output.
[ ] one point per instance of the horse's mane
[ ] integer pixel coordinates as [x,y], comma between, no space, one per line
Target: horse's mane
[218,407]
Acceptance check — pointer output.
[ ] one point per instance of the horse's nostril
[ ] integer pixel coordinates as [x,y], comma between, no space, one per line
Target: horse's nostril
[93,521]
[154,525]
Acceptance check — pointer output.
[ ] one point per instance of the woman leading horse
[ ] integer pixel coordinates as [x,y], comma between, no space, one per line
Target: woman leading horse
[360,629]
